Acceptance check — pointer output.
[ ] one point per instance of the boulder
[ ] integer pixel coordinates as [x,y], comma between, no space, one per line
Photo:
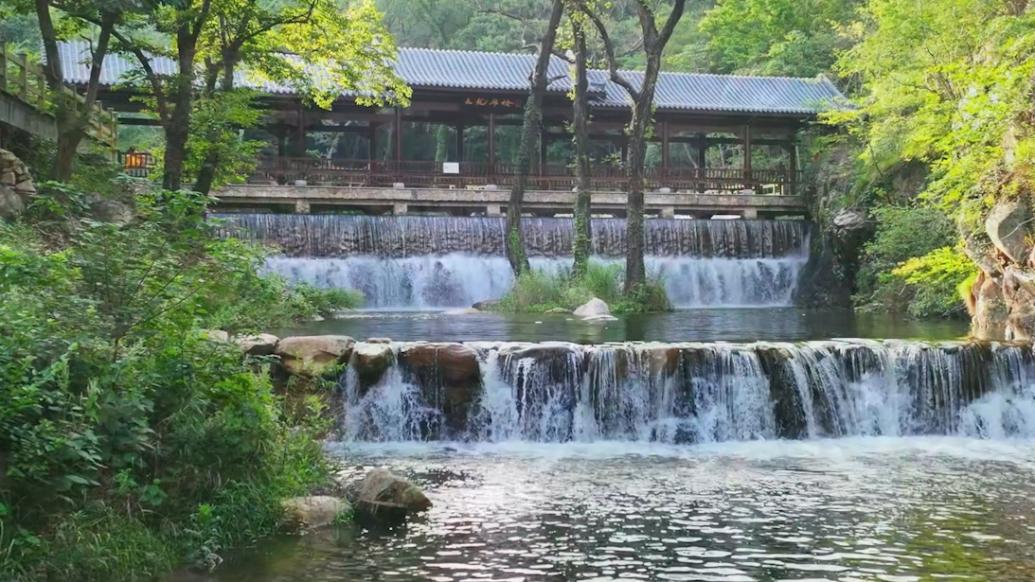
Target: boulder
[1008,225]
[486,305]
[600,318]
[558,310]
[313,355]
[848,220]
[313,511]
[593,307]
[449,375]
[11,203]
[370,360]
[263,344]
[383,495]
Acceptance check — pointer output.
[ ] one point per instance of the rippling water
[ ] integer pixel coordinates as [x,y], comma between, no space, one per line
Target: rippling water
[896,509]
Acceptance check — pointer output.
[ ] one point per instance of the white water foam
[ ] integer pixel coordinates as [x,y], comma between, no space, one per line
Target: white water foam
[459,280]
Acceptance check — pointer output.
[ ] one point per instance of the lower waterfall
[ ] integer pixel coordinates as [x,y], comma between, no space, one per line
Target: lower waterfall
[687,393]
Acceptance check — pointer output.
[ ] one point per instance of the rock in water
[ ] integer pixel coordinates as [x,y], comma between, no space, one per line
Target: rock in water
[314,354]
[313,511]
[1008,226]
[592,308]
[263,344]
[384,496]
[486,305]
[370,360]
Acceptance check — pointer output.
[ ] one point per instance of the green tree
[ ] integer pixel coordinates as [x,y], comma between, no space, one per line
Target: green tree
[776,37]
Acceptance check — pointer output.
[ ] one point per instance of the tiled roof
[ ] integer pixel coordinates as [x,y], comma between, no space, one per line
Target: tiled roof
[449,69]
[733,93]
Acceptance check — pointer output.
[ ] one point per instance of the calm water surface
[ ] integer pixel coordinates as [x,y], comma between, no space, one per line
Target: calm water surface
[895,509]
[740,325]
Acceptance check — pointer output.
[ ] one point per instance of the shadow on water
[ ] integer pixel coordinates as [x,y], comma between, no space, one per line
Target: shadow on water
[704,325]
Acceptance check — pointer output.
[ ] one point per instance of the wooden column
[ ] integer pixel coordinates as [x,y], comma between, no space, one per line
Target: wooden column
[747,157]
[460,142]
[702,161]
[372,159]
[792,150]
[664,148]
[397,132]
[542,150]
[491,137]
[300,132]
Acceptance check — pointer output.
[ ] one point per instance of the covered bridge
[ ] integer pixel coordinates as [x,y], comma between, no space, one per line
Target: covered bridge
[714,134]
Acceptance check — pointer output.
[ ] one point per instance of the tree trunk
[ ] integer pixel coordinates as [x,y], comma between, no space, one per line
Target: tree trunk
[635,268]
[207,172]
[514,239]
[583,240]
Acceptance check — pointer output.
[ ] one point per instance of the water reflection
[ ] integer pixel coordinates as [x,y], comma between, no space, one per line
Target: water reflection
[739,325]
[852,509]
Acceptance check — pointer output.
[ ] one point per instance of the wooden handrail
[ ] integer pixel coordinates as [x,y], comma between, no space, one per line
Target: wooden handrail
[30,86]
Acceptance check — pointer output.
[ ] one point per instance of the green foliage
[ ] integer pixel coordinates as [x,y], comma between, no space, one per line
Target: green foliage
[538,292]
[216,124]
[937,279]
[918,237]
[941,81]
[776,37]
[129,440]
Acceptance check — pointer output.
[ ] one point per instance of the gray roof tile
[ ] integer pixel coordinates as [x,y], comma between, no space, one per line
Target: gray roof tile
[450,69]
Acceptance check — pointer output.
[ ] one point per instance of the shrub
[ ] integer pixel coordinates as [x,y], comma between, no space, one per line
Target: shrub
[936,280]
[904,234]
[128,440]
[539,291]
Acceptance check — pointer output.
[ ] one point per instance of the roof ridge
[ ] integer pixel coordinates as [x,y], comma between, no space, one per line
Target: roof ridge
[816,79]
[464,51]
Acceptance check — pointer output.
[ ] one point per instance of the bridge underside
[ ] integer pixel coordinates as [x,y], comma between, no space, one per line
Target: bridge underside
[366,200]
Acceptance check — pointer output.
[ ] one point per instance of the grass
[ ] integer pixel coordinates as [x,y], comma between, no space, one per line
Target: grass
[540,292]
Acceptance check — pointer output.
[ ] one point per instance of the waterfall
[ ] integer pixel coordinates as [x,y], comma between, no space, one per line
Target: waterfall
[426,262]
[694,393]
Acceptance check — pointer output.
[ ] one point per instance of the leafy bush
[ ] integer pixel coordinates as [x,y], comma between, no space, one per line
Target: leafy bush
[937,279]
[129,441]
[903,234]
[539,291]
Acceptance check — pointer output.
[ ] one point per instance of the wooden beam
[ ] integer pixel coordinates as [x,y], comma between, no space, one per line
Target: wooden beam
[492,143]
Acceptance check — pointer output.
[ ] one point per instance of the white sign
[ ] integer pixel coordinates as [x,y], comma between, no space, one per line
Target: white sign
[450,167]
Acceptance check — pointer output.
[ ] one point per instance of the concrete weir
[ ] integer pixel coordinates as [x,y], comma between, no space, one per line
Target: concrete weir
[492,202]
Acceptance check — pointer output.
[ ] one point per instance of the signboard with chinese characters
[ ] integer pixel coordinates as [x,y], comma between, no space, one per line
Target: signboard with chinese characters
[494,102]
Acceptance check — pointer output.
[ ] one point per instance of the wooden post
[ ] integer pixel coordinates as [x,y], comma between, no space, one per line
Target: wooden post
[748,182]
[664,151]
[492,145]
[793,151]
[3,67]
[300,132]
[23,80]
[460,142]
[702,161]
[397,129]
[542,150]
[41,91]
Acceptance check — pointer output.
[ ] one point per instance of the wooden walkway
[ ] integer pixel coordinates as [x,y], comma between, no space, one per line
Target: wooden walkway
[25,103]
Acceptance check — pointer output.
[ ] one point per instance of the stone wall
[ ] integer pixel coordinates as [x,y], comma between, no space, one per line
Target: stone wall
[16,185]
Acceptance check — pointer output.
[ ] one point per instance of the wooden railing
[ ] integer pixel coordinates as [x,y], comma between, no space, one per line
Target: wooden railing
[428,174]
[24,79]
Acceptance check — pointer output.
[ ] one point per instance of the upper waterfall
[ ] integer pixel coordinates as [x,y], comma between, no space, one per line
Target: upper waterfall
[430,262]
[329,235]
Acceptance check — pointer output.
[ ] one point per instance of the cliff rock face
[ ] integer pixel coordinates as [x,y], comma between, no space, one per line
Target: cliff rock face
[1002,299]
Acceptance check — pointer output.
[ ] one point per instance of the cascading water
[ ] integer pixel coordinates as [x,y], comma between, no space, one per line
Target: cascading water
[691,393]
[434,262]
